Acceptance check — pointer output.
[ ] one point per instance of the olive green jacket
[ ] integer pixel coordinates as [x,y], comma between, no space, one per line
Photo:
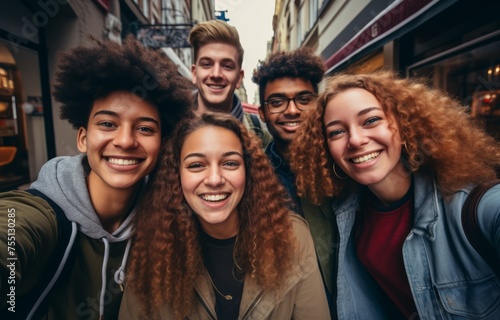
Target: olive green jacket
[324,231]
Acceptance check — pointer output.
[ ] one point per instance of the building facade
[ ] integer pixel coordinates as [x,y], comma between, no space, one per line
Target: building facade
[453,43]
[32,32]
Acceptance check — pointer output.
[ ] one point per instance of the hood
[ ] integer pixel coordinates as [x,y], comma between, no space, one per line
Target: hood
[62,179]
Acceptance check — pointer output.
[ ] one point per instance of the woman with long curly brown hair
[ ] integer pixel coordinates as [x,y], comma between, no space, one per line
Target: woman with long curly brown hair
[400,158]
[215,239]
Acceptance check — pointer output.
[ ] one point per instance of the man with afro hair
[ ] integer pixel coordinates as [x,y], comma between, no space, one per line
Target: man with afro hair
[288,84]
[73,227]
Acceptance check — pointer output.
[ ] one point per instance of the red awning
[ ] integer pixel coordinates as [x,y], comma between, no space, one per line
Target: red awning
[398,14]
[250,108]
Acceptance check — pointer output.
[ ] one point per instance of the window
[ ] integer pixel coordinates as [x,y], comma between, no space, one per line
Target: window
[299,28]
[313,12]
[145,8]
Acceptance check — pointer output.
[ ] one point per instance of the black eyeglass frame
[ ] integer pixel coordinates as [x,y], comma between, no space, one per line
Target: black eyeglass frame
[297,105]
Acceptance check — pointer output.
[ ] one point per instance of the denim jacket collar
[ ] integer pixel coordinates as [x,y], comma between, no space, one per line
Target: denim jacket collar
[427,206]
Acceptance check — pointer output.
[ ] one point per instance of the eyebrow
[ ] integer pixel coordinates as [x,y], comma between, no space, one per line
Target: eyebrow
[209,59]
[360,113]
[202,155]
[283,95]
[114,114]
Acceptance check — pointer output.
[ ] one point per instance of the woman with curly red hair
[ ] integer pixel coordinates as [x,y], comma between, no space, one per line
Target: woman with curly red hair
[216,240]
[401,158]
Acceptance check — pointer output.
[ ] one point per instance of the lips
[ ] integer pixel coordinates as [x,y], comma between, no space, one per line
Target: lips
[216,86]
[290,124]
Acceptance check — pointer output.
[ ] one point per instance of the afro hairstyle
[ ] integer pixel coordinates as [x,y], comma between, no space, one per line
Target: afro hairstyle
[86,74]
[300,63]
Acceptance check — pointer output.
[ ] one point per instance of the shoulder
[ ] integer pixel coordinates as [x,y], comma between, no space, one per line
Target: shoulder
[302,234]
[27,207]
[488,210]
[33,220]
[252,122]
[31,223]
[299,226]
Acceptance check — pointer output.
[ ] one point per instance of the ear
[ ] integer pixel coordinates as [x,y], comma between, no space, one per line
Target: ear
[193,74]
[262,114]
[240,80]
[81,140]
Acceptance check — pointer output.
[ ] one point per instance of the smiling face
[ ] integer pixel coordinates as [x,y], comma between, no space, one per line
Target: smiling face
[212,173]
[283,126]
[122,141]
[216,74]
[362,141]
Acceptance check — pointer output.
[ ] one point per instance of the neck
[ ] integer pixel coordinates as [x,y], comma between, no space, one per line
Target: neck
[204,106]
[112,205]
[224,230]
[394,187]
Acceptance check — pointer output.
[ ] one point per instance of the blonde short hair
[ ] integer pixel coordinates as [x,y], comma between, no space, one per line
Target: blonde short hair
[215,31]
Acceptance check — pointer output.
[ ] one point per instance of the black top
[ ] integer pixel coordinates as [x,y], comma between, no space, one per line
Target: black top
[218,257]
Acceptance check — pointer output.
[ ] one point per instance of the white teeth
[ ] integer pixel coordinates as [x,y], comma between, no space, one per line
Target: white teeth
[214,197]
[291,124]
[216,87]
[123,162]
[368,157]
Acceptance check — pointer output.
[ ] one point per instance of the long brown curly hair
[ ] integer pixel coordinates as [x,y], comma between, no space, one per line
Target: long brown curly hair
[439,136]
[166,256]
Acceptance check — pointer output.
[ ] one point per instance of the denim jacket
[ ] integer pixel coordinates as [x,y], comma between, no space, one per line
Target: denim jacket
[448,278]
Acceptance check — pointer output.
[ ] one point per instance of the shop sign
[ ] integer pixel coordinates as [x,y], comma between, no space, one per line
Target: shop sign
[164,36]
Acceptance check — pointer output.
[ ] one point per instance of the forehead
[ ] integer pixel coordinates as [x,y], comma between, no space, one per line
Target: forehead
[211,139]
[351,103]
[218,51]
[124,103]
[288,86]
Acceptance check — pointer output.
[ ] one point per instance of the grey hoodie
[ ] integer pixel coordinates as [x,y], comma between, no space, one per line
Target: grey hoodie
[62,179]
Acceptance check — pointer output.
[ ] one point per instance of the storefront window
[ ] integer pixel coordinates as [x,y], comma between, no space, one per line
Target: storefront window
[22,130]
[473,76]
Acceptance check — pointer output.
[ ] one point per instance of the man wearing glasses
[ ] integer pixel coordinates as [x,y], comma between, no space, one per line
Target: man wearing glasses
[288,85]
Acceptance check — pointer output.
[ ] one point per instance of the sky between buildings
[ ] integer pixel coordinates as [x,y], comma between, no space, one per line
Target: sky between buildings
[253,19]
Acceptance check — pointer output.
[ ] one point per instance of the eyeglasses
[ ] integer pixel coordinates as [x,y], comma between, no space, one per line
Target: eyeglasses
[280,104]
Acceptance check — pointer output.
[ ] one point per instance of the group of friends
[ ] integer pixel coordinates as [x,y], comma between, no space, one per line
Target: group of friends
[342,199]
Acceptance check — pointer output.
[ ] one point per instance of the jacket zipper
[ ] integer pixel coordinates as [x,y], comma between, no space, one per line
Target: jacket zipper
[252,306]
[212,317]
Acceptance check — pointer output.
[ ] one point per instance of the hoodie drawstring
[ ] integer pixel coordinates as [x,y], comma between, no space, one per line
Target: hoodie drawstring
[120,273]
[74,230]
[103,285]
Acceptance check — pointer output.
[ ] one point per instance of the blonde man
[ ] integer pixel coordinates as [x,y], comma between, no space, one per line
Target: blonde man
[217,72]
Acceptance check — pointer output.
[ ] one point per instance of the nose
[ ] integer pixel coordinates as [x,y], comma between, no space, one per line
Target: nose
[125,138]
[214,178]
[292,108]
[216,71]
[357,138]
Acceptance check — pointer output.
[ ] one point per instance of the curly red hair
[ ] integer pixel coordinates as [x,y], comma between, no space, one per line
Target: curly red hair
[166,256]
[439,136]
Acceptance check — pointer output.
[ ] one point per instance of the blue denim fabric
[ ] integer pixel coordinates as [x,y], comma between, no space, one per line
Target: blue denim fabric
[448,278]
